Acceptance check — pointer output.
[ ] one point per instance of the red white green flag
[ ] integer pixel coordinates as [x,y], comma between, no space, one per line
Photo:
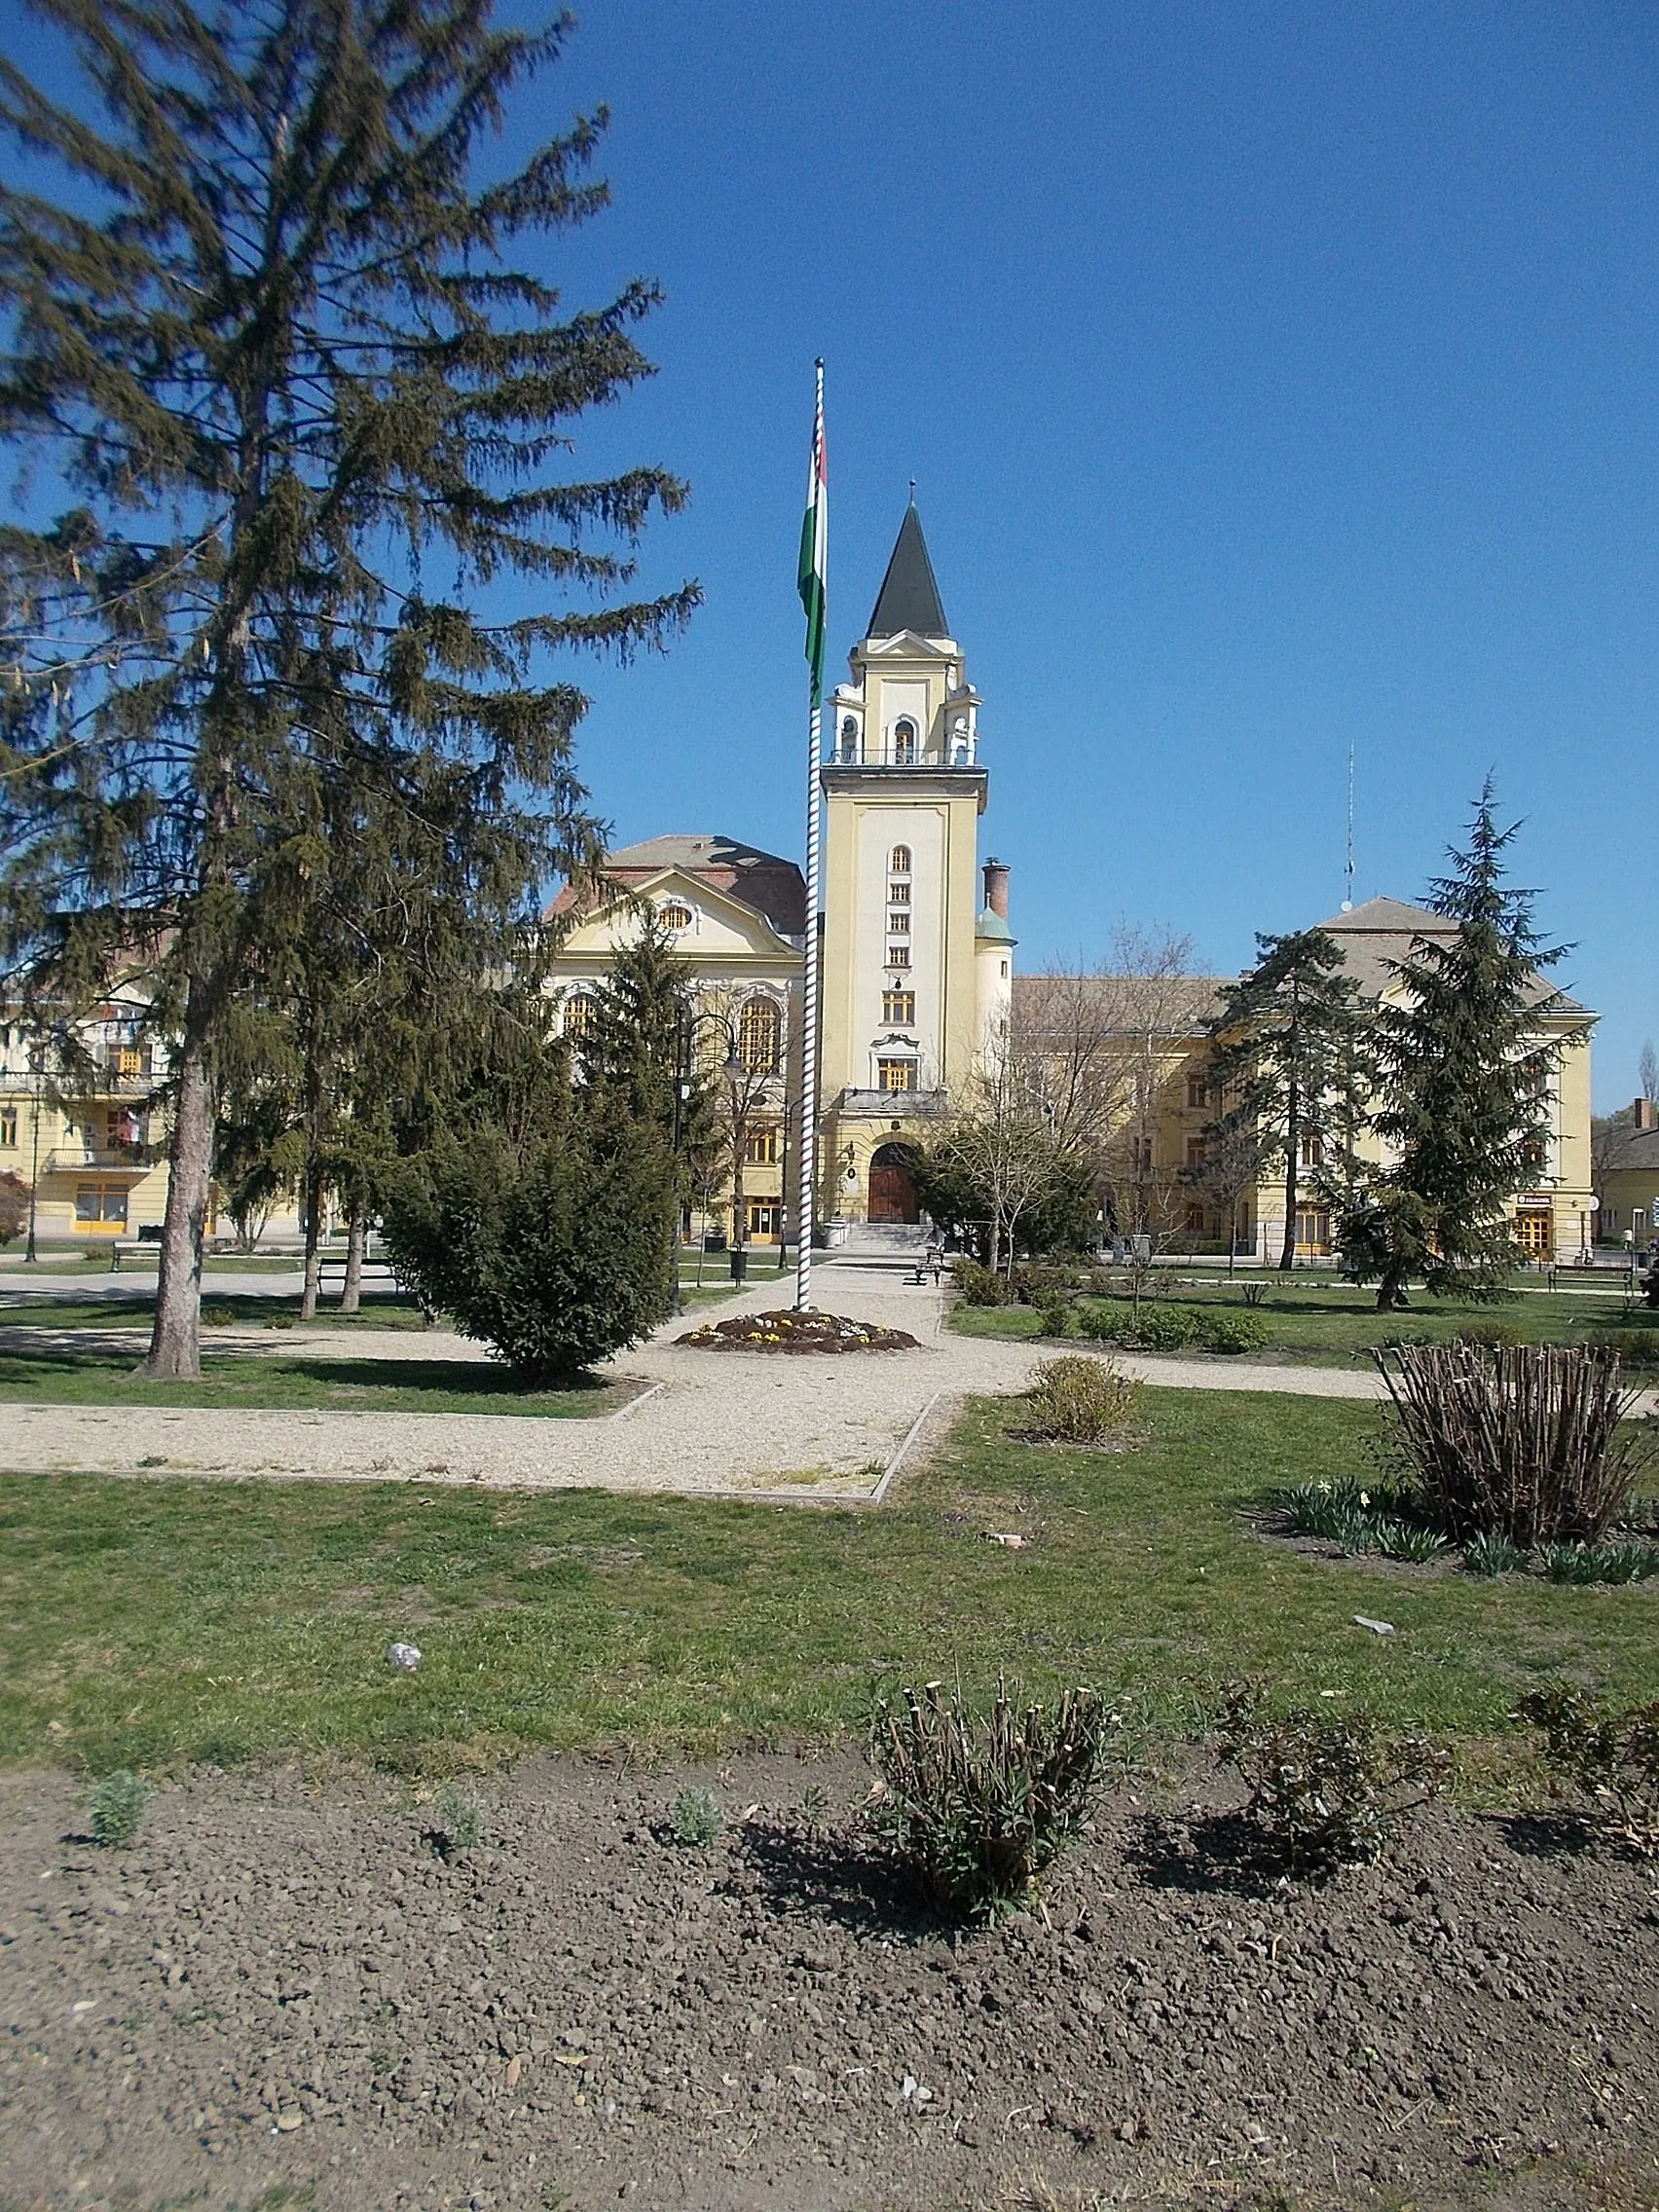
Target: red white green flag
[814,550]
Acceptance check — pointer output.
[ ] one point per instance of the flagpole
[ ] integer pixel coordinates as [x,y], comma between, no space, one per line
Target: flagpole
[807,1171]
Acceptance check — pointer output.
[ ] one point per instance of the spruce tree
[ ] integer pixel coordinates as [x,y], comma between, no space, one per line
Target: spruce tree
[302,412]
[1463,1076]
[1287,1034]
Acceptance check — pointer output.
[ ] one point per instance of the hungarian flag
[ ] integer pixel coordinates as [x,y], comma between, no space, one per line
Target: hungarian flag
[815,549]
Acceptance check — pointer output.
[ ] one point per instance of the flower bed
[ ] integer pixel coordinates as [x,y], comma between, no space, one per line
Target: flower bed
[796,1332]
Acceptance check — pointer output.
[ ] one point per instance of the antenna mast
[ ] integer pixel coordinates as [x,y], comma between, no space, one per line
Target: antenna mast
[1348,895]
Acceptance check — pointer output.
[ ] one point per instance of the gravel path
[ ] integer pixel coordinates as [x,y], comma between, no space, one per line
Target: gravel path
[705,1422]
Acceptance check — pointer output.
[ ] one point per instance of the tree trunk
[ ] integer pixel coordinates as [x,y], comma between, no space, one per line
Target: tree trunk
[313,1259]
[351,1290]
[1293,1140]
[175,1349]
[1392,1290]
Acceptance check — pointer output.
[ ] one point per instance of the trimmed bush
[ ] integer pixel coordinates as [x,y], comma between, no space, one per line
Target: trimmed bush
[1228,1331]
[974,1810]
[1054,1312]
[1077,1400]
[1166,1328]
[1524,1440]
[1610,1761]
[978,1285]
[1325,1790]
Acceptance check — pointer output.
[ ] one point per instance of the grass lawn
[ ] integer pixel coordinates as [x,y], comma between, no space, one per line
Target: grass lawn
[161,1620]
[293,1382]
[1324,1323]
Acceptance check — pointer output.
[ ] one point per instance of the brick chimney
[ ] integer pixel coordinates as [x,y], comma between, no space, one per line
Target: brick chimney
[996,887]
[1643,1113]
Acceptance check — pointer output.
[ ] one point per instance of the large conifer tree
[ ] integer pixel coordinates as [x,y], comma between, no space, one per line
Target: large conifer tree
[1287,1036]
[302,412]
[1464,1068]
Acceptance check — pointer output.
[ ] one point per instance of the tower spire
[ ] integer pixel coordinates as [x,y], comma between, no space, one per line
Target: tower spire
[908,598]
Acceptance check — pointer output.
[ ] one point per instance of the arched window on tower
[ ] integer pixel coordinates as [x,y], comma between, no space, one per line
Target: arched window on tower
[904,744]
[760,1037]
[849,738]
[578,1016]
[898,860]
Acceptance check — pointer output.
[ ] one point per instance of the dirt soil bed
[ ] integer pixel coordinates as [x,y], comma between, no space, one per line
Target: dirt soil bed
[284,1988]
[796,1332]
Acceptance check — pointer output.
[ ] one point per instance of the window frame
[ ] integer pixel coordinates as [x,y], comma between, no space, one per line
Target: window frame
[757,1054]
[889,1066]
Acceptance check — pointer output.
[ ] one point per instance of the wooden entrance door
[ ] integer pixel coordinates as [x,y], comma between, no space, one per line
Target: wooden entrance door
[892,1191]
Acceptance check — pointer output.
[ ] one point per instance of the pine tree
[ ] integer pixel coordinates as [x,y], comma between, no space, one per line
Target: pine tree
[305,411]
[1287,1035]
[1463,1075]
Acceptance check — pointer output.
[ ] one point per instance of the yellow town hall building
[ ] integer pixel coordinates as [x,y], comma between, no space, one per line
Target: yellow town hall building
[915,964]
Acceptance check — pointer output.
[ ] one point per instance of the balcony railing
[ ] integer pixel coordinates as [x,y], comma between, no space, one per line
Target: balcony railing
[76,1158]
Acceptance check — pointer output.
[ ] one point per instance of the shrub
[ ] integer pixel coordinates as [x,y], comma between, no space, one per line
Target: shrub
[457,1820]
[1106,1324]
[553,1250]
[1489,1552]
[118,1805]
[975,1809]
[1166,1328]
[1255,1294]
[1525,1441]
[1491,1336]
[1325,1790]
[979,1286]
[1609,1759]
[215,1315]
[695,1819]
[13,1209]
[1077,1400]
[1054,1311]
[1637,1347]
[1235,1332]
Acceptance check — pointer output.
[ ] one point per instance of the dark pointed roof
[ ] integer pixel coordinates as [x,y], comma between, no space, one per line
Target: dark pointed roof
[908,598]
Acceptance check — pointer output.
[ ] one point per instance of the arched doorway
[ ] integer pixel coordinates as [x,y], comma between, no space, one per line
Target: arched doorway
[892,1188]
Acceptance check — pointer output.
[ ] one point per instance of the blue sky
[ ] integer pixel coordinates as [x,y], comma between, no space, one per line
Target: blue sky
[1275,376]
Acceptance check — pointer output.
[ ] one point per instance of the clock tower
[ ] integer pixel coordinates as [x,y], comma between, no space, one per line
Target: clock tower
[917,972]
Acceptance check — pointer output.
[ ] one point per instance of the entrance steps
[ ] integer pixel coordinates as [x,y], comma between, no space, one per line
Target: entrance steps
[884,1240]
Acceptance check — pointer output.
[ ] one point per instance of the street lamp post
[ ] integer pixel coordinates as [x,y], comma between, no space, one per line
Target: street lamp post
[30,1255]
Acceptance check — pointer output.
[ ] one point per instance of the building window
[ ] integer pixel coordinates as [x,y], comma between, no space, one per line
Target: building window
[899,924]
[900,1006]
[898,956]
[1141,1154]
[675,916]
[578,1015]
[849,738]
[898,860]
[904,744]
[1197,1091]
[7,1128]
[760,1146]
[759,1036]
[101,1206]
[1313,1230]
[1195,1150]
[899,894]
[1312,1148]
[1004,967]
[895,1075]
